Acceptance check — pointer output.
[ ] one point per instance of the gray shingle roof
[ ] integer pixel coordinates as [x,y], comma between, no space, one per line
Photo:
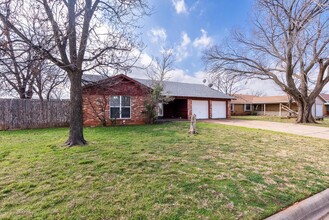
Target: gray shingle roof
[187,89]
[88,78]
[173,88]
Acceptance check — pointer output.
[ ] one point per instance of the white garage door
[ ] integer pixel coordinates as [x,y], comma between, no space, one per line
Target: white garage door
[200,108]
[218,109]
[318,110]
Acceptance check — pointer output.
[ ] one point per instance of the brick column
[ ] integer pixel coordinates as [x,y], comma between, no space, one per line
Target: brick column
[228,109]
[189,109]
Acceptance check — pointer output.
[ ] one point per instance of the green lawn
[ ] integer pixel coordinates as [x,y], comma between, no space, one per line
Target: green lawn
[158,172]
[324,123]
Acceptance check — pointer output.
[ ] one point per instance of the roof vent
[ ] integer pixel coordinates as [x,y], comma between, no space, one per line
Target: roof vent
[204,81]
[210,85]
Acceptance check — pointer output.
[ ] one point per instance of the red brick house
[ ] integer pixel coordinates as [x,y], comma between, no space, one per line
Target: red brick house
[122,99]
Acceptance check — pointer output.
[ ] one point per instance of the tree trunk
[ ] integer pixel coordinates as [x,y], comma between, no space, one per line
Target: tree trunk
[76,114]
[23,94]
[305,112]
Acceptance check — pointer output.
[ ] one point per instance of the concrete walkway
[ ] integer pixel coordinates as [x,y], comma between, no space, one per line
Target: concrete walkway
[303,130]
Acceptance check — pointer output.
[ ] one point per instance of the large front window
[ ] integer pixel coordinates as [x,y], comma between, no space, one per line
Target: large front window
[120,107]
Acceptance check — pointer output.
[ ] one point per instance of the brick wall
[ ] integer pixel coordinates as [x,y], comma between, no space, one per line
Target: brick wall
[238,109]
[189,109]
[228,109]
[96,107]
[96,99]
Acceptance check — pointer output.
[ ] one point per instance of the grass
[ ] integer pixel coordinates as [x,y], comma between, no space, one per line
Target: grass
[158,172]
[324,123]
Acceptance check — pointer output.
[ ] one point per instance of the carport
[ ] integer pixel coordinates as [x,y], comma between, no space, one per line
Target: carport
[176,109]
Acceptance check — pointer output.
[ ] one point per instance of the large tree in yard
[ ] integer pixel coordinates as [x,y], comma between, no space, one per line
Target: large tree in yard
[227,83]
[80,36]
[23,72]
[289,44]
[18,65]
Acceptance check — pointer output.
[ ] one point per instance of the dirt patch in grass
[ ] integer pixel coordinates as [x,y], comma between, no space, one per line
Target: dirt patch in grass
[158,172]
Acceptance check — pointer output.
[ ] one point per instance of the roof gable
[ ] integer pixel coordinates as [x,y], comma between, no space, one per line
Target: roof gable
[97,80]
[116,85]
[170,88]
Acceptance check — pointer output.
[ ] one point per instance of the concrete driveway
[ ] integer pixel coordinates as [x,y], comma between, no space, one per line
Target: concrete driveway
[303,130]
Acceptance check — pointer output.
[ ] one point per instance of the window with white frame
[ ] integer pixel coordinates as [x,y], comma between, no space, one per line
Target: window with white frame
[247,107]
[160,109]
[120,107]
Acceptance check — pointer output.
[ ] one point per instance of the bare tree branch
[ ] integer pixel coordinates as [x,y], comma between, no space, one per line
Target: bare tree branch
[289,44]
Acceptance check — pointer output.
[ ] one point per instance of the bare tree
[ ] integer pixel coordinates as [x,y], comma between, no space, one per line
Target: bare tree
[81,35]
[158,72]
[18,64]
[288,44]
[227,83]
[258,93]
[160,67]
[23,71]
[48,80]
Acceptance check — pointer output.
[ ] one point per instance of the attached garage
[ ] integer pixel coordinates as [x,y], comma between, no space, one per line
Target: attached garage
[200,109]
[218,109]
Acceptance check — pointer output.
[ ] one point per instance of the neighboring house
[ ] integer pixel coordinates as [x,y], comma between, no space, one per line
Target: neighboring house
[122,99]
[326,104]
[242,104]
[271,105]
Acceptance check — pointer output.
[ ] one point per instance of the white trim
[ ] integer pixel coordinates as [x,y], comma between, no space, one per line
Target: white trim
[160,107]
[120,106]
[265,109]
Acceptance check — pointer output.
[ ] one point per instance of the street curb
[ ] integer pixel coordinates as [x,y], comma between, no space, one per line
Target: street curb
[315,207]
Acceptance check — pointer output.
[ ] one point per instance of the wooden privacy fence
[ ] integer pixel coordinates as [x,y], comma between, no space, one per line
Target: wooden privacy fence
[24,114]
